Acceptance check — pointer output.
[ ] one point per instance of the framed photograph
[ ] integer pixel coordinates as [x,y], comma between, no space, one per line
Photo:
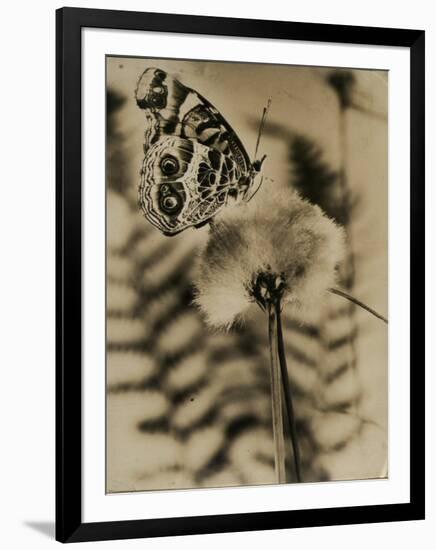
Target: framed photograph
[240,275]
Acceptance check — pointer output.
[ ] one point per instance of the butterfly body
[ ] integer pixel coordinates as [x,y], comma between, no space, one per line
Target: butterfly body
[194,163]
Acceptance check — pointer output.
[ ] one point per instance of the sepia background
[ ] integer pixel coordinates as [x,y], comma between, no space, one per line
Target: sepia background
[187,407]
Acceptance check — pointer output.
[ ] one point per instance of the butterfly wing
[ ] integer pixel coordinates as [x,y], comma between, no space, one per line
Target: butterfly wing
[212,164]
[206,124]
[160,96]
[185,183]
[173,109]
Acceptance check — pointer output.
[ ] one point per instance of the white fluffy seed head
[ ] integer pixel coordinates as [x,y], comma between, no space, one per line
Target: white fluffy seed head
[281,234]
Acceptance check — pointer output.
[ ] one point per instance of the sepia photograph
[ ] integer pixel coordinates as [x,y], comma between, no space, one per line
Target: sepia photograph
[246,274]
[214,274]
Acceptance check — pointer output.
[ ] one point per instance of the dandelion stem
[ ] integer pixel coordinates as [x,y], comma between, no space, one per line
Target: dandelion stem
[276,396]
[288,395]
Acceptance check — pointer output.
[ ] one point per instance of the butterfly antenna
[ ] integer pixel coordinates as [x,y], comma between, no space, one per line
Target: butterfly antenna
[261,126]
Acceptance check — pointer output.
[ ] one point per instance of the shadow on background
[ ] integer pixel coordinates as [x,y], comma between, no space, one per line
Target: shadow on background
[47,528]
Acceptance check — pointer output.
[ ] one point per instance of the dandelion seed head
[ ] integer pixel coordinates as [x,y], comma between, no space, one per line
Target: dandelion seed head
[282,239]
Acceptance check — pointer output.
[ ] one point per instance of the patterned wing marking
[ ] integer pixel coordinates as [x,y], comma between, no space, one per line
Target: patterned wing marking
[206,124]
[210,164]
[174,109]
[185,183]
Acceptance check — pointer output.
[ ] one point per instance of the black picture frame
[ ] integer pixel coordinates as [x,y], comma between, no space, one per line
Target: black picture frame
[69,525]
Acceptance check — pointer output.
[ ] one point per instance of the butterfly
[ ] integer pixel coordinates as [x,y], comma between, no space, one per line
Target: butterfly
[194,163]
